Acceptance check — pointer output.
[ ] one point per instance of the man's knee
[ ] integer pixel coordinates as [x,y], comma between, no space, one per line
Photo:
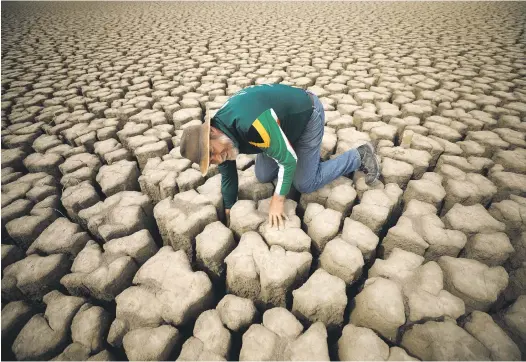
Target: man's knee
[263,175]
[305,186]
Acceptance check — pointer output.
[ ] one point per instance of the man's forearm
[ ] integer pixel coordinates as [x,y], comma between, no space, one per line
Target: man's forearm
[229,183]
[285,176]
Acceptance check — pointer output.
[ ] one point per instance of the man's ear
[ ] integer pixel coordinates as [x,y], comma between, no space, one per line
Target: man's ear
[214,131]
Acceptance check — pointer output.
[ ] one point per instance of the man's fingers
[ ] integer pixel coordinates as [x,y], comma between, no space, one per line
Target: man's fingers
[281,223]
[277,220]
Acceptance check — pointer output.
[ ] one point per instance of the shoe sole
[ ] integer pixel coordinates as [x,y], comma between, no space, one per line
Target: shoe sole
[370,147]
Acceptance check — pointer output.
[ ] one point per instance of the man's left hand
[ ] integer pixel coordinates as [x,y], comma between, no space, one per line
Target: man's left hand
[276,212]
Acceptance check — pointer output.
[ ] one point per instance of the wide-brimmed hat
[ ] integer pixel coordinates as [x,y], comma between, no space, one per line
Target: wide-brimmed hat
[195,144]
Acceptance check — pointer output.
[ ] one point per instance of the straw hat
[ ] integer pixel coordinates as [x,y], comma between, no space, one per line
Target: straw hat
[195,144]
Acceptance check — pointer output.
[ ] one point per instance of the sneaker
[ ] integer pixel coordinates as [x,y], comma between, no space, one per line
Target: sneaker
[370,165]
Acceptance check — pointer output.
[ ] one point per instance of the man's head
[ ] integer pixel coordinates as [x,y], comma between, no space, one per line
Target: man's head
[221,147]
[207,145]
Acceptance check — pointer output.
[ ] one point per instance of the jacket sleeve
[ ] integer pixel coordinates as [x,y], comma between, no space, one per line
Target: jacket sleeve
[266,133]
[229,183]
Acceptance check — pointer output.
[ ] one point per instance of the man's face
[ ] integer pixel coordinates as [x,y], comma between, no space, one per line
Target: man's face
[221,149]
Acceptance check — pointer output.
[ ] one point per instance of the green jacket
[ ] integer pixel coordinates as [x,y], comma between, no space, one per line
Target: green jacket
[267,118]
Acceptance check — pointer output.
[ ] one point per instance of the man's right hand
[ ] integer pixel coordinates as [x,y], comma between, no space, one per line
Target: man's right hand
[227,217]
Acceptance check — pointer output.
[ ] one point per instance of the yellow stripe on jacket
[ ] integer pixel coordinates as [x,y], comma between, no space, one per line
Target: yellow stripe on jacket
[263,133]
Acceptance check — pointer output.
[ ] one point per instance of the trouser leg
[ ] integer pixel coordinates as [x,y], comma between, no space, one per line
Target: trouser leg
[311,174]
[266,168]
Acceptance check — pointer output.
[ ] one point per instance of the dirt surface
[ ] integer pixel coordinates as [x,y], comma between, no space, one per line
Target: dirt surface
[115,247]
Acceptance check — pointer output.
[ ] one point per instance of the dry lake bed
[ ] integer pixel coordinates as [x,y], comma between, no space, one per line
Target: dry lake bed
[115,247]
